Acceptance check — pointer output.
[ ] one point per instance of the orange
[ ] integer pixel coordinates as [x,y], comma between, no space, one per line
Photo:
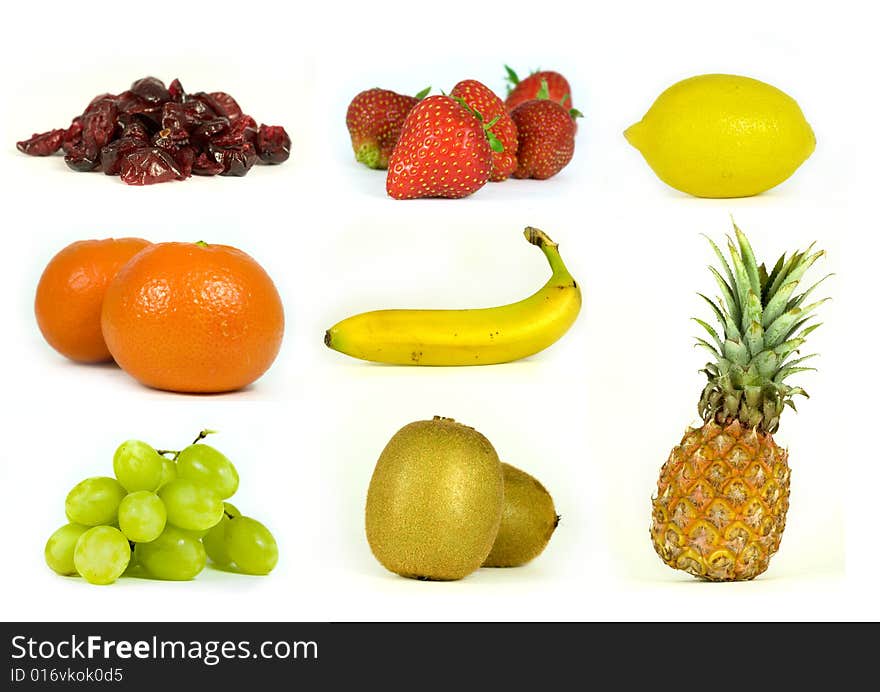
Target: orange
[70,293]
[193,317]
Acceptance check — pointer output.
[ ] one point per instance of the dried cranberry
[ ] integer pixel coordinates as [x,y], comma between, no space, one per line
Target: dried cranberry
[135,129]
[174,122]
[163,140]
[98,99]
[176,92]
[242,130]
[99,125]
[114,153]
[198,109]
[273,144]
[224,104]
[151,89]
[83,158]
[205,164]
[210,129]
[185,158]
[150,134]
[72,135]
[148,166]
[42,144]
[236,160]
[129,104]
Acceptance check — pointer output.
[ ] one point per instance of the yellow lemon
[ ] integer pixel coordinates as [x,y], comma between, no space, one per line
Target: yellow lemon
[720,135]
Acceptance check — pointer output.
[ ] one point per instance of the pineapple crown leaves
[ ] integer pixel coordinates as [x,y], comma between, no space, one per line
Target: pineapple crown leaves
[763,322]
[494,143]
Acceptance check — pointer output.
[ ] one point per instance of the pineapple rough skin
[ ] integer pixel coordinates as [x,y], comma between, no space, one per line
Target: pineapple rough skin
[721,502]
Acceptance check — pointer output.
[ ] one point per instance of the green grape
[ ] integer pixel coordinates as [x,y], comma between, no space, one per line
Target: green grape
[198,535]
[102,554]
[142,516]
[169,471]
[60,547]
[215,540]
[94,501]
[175,555]
[191,506]
[206,466]
[251,546]
[137,466]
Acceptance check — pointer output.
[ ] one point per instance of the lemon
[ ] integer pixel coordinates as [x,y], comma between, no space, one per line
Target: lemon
[720,135]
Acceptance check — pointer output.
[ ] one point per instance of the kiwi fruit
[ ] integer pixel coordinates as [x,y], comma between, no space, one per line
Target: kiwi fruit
[527,523]
[435,500]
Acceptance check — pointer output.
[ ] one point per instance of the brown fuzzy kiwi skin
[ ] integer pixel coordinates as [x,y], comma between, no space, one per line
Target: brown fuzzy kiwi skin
[527,523]
[435,501]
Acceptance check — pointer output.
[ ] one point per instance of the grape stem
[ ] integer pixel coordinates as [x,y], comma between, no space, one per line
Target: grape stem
[176,452]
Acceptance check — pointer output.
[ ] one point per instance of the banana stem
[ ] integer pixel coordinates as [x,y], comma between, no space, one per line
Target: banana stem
[550,249]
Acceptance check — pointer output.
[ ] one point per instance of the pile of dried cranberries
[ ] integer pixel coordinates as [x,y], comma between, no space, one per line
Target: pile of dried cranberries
[153,134]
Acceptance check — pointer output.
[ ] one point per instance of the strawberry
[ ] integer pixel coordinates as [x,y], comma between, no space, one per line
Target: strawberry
[521,91]
[546,136]
[443,151]
[374,120]
[480,98]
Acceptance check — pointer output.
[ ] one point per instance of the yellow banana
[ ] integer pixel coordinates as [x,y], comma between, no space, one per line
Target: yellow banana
[466,337]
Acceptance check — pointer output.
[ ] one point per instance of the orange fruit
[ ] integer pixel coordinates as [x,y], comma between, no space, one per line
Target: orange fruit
[70,293]
[193,317]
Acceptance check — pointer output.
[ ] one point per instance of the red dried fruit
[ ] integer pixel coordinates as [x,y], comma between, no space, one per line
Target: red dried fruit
[148,166]
[242,130]
[99,124]
[237,160]
[273,144]
[184,158]
[114,153]
[149,134]
[42,144]
[72,135]
[82,158]
[174,119]
[210,129]
[206,165]
[129,103]
[136,130]
[225,105]
[151,89]
[175,91]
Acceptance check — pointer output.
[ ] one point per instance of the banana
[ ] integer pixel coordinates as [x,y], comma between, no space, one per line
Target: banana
[466,337]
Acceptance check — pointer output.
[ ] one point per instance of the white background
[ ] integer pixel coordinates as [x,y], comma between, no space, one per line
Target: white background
[593,417]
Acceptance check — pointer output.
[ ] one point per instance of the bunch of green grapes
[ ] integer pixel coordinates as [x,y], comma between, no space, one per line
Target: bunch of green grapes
[165,514]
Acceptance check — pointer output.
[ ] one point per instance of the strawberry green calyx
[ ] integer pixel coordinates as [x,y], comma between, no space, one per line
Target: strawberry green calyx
[423,93]
[494,143]
[512,79]
[544,92]
[544,95]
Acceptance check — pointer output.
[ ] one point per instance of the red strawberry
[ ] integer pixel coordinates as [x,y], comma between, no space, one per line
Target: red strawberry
[546,136]
[443,151]
[374,120]
[483,100]
[521,91]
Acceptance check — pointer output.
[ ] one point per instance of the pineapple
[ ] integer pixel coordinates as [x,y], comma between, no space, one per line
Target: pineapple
[723,493]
